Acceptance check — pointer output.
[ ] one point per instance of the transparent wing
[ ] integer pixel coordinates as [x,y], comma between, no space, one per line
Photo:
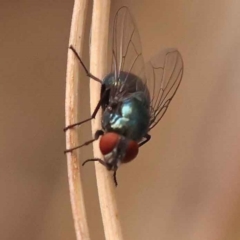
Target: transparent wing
[126,46]
[164,74]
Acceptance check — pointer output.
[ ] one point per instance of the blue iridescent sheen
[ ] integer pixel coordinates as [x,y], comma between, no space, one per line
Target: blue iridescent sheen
[127,114]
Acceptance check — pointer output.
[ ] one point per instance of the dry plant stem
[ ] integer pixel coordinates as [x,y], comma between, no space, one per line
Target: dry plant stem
[98,60]
[71,107]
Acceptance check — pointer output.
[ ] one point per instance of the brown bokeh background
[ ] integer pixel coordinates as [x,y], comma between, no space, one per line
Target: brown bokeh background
[184,184]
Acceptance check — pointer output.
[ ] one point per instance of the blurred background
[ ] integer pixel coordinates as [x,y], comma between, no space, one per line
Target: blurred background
[183,185]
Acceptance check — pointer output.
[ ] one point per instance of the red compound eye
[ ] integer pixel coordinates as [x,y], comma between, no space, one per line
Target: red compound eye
[109,141]
[132,152]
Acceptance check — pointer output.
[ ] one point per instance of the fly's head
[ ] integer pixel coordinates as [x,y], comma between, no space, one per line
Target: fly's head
[117,149]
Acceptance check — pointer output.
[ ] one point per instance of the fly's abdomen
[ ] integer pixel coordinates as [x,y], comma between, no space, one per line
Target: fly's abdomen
[131,119]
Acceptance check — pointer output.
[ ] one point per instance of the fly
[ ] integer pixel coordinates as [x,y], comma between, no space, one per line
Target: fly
[134,95]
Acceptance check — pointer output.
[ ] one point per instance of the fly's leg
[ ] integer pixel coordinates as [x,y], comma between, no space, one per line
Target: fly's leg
[97,135]
[101,101]
[95,160]
[115,178]
[84,67]
[147,138]
[104,164]
[103,95]
[86,120]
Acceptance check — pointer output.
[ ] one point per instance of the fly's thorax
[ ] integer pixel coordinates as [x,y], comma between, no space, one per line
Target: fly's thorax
[117,149]
[129,118]
[125,82]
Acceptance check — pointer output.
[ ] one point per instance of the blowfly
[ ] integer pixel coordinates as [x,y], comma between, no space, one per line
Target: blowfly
[134,95]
